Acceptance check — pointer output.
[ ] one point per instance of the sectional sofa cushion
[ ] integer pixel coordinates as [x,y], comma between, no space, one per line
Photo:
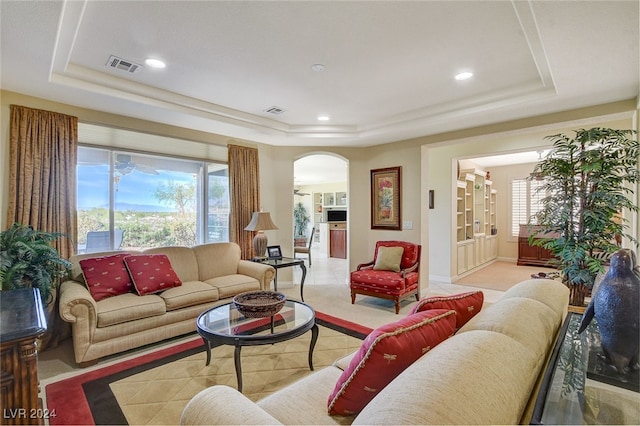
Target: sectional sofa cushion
[190,293]
[128,307]
[543,290]
[528,321]
[151,273]
[216,260]
[106,276]
[183,261]
[230,285]
[479,378]
[466,305]
[384,354]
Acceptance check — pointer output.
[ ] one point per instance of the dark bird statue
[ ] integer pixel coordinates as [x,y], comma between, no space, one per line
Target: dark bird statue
[616,306]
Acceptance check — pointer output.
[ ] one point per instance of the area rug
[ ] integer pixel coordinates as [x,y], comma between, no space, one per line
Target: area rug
[154,388]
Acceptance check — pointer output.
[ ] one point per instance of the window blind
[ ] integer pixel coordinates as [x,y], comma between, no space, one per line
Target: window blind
[525,202]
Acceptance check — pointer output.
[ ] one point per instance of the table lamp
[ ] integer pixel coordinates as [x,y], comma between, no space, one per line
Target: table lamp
[260,221]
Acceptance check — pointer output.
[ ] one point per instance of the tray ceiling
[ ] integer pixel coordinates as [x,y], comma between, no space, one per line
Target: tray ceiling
[388,71]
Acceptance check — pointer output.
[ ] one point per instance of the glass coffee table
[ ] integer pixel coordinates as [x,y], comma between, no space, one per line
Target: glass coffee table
[225,325]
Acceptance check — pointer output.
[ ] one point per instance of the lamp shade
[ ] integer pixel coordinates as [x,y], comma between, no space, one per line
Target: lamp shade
[260,221]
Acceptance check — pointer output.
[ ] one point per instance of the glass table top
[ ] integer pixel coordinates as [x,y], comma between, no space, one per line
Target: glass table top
[227,321]
[584,388]
[285,261]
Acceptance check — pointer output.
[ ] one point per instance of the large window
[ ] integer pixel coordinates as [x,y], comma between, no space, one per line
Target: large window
[525,202]
[135,201]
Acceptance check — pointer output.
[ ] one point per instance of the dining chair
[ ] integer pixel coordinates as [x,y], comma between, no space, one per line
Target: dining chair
[305,250]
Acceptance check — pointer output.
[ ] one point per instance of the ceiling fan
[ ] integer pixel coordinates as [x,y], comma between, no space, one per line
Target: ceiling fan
[297,192]
[125,165]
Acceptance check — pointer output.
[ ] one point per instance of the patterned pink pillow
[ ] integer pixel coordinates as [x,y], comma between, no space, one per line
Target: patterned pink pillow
[467,305]
[106,276]
[151,273]
[384,354]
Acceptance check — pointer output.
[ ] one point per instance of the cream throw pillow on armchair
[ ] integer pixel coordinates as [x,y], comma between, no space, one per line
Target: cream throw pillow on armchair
[388,259]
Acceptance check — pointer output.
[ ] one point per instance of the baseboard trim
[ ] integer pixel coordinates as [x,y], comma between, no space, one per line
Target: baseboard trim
[440,279]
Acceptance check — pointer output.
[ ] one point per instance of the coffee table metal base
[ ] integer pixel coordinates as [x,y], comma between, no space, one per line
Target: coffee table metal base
[239,343]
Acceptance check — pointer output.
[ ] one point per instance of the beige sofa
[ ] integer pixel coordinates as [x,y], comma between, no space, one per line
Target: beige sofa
[210,275]
[487,373]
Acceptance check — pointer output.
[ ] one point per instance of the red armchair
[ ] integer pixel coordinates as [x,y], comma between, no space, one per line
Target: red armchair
[370,280]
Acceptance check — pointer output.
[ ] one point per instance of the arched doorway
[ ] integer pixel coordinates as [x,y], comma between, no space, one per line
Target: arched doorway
[321,188]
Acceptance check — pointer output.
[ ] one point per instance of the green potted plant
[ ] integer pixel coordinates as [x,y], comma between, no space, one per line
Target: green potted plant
[586,186]
[300,220]
[27,259]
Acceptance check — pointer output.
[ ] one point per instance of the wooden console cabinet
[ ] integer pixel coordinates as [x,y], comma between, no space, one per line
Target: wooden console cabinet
[23,321]
[531,255]
[338,240]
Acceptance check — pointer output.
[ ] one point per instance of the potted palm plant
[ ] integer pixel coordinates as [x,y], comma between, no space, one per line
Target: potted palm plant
[586,188]
[301,220]
[27,259]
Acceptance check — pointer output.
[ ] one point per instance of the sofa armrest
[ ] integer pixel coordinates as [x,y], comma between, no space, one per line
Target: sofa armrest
[260,271]
[223,405]
[80,309]
[73,294]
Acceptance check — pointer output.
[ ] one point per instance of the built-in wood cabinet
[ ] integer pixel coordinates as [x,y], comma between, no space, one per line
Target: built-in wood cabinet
[334,199]
[322,202]
[338,243]
[333,239]
[475,221]
[338,240]
[461,190]
[318,215]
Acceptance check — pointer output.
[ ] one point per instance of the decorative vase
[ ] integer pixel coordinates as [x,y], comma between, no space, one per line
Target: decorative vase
[615,304]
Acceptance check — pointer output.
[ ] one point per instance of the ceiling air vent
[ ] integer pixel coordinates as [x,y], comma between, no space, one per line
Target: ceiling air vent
[275,110]
[123,65]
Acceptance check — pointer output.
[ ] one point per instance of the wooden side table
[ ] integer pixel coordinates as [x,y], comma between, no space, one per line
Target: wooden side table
[23,321]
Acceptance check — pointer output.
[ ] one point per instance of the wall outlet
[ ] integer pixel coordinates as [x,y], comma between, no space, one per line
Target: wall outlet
[407,224]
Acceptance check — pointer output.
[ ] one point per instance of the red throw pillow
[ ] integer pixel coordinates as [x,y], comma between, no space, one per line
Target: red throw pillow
[467,305]
[151,273]
[106,276]
[384,354]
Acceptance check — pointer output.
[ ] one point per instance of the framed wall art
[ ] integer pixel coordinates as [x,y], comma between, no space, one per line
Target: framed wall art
[385,199]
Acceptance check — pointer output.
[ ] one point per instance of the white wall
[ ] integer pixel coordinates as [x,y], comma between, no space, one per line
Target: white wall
[427,163]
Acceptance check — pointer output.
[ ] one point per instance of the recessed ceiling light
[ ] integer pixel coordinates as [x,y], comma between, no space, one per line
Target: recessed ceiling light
[318,67]
[323,118]
[464,75]
[155,63]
